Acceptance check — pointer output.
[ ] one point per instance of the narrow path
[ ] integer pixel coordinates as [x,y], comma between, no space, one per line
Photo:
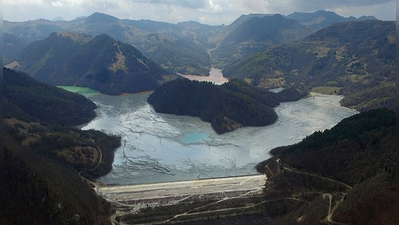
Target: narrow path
[98,161]
[331,210]
[96,186]
[313,175]
[268,168]
[229,209]
[210,204]
[327,195]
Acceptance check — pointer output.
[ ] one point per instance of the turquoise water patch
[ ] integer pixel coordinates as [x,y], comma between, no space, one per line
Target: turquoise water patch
[192,138]
[80,90]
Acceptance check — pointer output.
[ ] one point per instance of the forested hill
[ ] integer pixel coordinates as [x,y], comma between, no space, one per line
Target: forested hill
[227,107]
[353,164]
[100,63]
[27,99]
[356,59]
[43,158]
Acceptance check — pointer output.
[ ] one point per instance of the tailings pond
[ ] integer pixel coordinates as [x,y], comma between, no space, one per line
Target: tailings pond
[162,148]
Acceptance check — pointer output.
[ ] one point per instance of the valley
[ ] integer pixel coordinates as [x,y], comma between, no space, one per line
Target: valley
[293,124]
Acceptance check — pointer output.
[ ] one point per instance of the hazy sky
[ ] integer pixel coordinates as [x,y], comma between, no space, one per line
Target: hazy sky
[204,11]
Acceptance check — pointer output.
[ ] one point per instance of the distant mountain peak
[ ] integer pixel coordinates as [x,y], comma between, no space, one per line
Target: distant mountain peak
[80,18]
[57,19]
[190,22]
[101,18]
[367,18]
[322,18]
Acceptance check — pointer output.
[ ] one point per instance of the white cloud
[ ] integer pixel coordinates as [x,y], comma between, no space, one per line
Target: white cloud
[215,7]
[22,2]
[57,4]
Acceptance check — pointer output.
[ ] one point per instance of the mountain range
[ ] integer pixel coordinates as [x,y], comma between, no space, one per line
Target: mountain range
[355,59]
[173,46]
[184,47]
[322,19]
[318,51]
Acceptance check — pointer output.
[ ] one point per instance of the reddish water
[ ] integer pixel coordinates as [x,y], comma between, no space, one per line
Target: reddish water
[215,76]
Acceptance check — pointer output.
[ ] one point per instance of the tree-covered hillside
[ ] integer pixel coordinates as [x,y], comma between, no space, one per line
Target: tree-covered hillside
[351,57]
[350,168]
[100,63]
[39,190]
[44,159]
[227,107]
[29,100]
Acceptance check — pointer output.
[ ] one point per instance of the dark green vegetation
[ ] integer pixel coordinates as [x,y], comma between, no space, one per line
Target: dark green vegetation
[39,191]
[322,19]
[100,63]
[353,164]
[227,107]
[44,160]
[176,47]
[29,100]
[89,152]
[357,57]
